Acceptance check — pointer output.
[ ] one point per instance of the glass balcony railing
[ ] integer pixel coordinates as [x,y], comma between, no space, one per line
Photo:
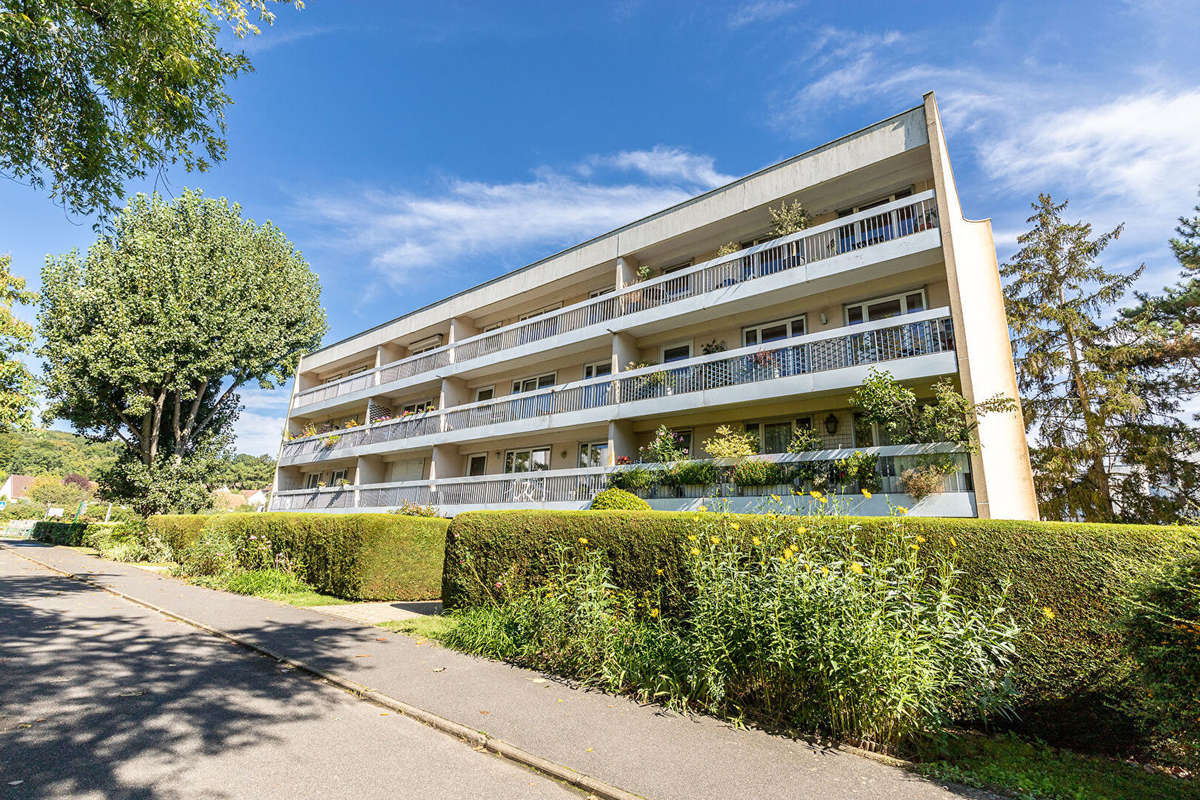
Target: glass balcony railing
[867,229]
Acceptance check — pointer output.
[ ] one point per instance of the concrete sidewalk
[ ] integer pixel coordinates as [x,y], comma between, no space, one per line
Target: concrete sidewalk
[640,749]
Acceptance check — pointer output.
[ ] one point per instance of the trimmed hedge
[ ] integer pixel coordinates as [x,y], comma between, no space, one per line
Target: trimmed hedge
[612,499]
[64,533]
[177,531]
[1072,670]
[356,556]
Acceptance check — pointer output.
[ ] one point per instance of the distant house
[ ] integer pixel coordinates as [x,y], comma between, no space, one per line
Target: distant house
[258,500]
[16,487]
[226,499]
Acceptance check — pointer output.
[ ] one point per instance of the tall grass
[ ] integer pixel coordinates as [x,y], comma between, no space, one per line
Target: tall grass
[816,631]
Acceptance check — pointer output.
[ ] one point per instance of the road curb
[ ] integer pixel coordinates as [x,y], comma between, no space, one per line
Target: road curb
[473,737]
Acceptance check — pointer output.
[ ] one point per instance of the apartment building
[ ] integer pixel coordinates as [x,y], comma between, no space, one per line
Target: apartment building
[531,389]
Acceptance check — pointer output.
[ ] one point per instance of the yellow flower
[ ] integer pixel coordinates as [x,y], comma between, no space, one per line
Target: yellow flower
[815,494]
[734,525]
[703,508]
[775,498]
[823,500]
[756,541]
[915,546]
[824,570]
[695,551]
[901,510]
[802,530]
[920,540]
[691,537]
[658,571]
[1048,612]
[716,539]
[654,612]
[583,540]
[952,542]
[866,494]
[856,568]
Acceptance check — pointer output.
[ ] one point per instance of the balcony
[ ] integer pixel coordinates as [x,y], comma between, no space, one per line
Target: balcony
[574,489]
[865,233]
[822,361]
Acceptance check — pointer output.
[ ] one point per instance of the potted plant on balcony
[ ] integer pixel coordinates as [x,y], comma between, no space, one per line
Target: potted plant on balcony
[330,441]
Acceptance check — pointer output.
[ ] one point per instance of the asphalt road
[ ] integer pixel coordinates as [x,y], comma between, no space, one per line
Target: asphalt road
[100,697]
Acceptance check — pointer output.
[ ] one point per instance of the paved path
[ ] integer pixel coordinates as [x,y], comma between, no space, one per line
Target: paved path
[641,749]
[375,613]
[103,698]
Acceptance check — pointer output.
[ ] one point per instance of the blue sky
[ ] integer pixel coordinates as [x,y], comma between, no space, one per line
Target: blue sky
[411,150]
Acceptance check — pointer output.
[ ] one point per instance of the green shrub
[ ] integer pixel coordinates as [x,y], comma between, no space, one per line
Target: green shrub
[695,473]
[638,479]
[1162,635]
[63,533]
[258,582]
[130,541]
[356,556]
[212,553]
[611,499]
[177,531]
[870,642]
[1072,668]
[759,473]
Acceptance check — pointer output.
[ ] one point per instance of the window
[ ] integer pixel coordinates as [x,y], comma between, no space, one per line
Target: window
[676,352]
[477,464]
[337,476]
[885,307]
[485,393]
[417,408]
[774,437]
[600,292]
[774,331]
[358,369]
[887,198]
[530,460]
[597,370]
[494,326]
[593,454]
[685,440]
[530,384]
[675,267]
[311,480]
[539,312]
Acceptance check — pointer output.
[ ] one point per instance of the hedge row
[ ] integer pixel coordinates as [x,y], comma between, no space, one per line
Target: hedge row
[177,531]
[355,556]
[64,533]
[1072,670]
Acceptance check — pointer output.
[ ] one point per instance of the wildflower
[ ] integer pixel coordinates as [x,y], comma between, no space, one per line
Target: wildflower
[952,542]
[776,498]
[814,494]
[901,510]
[824,570]
[658,571]
[1048,612]
[756,541]
[695,551]
[734,525]
[802,530]
[703,508]
[691,537]
[856,568]
[583,540]
[822,500]
[915,546]
[866,494]
[654,612]
[716,540]
[920,540]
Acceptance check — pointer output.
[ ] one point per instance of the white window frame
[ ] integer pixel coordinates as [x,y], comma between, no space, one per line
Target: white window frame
[662,351]
[593,367]
[337,475]
[553,376]
[594,293]
[493,327]
[789,321]
[758,427]
[471,457]
[418,407]
[312,479]
[901,296]
[539,312]
[481,389]
[588,446]
[510,456]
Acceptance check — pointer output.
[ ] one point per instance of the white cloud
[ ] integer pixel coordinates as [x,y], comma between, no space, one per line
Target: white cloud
[259,427]
[405,234]
[762,11]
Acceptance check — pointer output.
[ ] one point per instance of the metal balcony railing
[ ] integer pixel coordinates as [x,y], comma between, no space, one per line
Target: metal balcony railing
[866,229]
[799,356]
[581,485]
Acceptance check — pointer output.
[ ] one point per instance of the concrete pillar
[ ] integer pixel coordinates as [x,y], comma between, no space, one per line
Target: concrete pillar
[389,352]
[454,393]
[371,469]
[621,440]
[306,380]
[445,462]
[461,328]
[626,271]
[624,351]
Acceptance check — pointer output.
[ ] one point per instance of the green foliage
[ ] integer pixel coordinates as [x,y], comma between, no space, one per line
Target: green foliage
[730,443]
[610,499]
[948,417]
[788,218]
[414,510]
[64,533]
[242,471]
[22,509]
[131,541]
[1031,770]
[177,531]
[759,473]
[858,468]
[356,556]
[637,479]
[904,656]
[921,481]
[729,248]
[804,440]
[149,338]
[1162,634]
[665,447]
[695,473]
[50,491]
[17,384]
[1072,670]
[47,452]
[96,95]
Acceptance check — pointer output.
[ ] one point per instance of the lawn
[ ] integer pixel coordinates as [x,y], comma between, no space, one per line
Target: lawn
[430,627]
[269,584]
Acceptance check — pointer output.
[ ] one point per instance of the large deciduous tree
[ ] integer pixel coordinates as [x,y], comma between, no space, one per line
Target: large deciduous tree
[150,337]
[16,382]
[1107,442]
[96,92]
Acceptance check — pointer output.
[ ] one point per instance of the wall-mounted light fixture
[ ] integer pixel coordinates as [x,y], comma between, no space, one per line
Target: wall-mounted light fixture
[831,424]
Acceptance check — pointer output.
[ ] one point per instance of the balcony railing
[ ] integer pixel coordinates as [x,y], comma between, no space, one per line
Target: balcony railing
[581,485]
[866,229]
[803,355]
